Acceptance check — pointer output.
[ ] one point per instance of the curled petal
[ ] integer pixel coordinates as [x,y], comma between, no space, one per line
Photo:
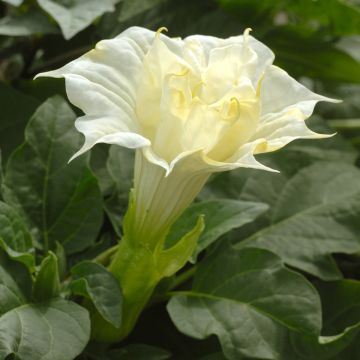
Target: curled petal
[108,130]
[280,92]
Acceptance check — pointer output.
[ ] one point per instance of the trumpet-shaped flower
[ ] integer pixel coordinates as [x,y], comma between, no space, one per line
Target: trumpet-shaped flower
[190,106]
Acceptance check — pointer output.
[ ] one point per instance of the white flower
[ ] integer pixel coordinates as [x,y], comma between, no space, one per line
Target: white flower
[191,107]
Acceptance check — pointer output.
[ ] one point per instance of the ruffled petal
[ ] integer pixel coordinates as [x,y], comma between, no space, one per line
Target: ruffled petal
[103,84]
[279,91]
[108,130]
[250,51]
[285,105]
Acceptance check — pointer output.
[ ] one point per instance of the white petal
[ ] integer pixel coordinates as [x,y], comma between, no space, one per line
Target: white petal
[280,91]
[103,84]
[286,104]
[109,130]
[213,47]
[281,128]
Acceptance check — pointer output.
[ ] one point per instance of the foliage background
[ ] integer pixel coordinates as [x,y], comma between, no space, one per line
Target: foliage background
[317,42]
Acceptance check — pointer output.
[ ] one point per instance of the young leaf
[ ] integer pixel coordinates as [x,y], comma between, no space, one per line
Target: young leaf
[47,283]
[59,201]
[173,259]
[316,214]
[101,287]
[57,330]
[220,215]
[249,300]
[77,15]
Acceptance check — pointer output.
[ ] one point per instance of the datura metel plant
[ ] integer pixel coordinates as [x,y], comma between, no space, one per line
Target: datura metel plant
[190,107]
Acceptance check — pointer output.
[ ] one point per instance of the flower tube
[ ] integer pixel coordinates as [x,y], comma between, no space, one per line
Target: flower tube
[190,107]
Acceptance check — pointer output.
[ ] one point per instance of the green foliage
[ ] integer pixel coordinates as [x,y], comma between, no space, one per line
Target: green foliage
[327,211]
[59,322]
[234,297]
[60,222]
[59,202]
[97,284]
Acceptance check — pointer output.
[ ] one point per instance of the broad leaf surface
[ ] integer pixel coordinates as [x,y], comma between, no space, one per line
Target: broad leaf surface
[59,201]
[15,284]
[26,24]
[75,15]
[57,330]
[15,238]
[101,287]
[314,214]
[249,300]
[220,216]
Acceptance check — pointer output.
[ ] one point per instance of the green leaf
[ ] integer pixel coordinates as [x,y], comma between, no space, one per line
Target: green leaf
[47,283]
[312,57]
[221,216]
[248,299]
[324,347]
[14,2]
[15,238]
[25,24]
[120,168]
[101,287]
[339,16]
[131,8]
[58,330]
[15,284]
[138,352]
[59,201]
[61,259]
[16,108]
[173,259]
[315,214]
[75,15]
[341,306]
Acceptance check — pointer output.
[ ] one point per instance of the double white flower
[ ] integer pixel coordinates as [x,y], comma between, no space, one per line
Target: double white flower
[190,107]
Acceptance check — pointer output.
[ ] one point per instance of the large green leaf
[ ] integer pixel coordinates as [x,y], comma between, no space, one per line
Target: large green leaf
[58,330]
[220,215]
[16,109]
[15,284]
[33,22]
[60,201]
[314,214]
[101,287]
[15,238]
[249,300]
[74,16]
[312,57]
[14,2]
[131,8]
[341,306]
